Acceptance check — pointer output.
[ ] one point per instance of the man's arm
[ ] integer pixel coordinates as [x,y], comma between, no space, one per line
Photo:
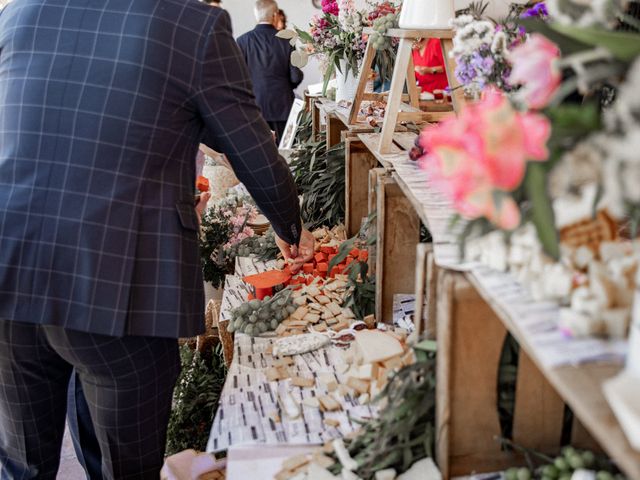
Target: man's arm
[235,126]
[295,74]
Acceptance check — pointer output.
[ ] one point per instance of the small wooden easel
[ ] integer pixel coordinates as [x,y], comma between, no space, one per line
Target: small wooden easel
[404,74]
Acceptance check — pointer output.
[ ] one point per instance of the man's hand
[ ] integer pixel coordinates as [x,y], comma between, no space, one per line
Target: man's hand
[300,254]
[201,204]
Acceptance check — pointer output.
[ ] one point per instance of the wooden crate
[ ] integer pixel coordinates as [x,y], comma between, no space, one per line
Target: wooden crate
[359,162]
[470,336]
[398,233]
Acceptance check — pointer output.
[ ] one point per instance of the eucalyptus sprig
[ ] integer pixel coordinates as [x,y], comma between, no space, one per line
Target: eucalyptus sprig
[404,431]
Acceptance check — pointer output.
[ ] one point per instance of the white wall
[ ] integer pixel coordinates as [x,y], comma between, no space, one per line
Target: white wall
[299,13]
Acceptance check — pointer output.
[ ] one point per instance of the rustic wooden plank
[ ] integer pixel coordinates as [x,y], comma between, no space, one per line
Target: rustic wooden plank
[470,339]
[539,410]
[363,78]
[581,388]
[371,141]
[422,287]
[334,129]
[412,85]
[421,116]
[395,94]
[359,161]
[416,204]
[581,438]
[374,173]
[315,118]
[398,232]
[422,33]
[405,140]
[432,296]
[457,93]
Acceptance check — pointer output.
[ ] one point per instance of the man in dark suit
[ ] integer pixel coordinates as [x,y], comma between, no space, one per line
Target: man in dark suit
[102,106]
[269,61]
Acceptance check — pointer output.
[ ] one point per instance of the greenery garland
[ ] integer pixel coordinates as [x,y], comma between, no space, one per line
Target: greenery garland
[195,399]
[319,175]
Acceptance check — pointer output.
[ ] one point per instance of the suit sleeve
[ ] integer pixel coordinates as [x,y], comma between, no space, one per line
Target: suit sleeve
[234,125]
[295,74]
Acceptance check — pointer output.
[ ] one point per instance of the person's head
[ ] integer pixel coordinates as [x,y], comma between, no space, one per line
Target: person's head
[281,20]
[266,11]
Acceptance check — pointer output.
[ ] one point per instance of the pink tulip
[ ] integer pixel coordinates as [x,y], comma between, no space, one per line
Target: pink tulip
[535,67]
[482,155]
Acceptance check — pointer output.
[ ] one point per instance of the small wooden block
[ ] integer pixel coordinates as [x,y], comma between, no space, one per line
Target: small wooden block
[312,318]
[321,327]
[281,329]
[341,326]
[298,323]
[334,308]
[331,321]
[283,372]
[273,374]
[322,460]
[329,404]
[332,422]
[305,382]
[300,313]
[323,300]
[360,386]
[312,402]
[295,462]
[393,363]
[370,321]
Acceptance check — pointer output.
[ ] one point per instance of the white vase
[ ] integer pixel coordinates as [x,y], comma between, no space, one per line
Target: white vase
[426,14]
[346,83]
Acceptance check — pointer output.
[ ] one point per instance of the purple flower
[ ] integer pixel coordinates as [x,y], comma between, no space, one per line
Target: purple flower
[539,10]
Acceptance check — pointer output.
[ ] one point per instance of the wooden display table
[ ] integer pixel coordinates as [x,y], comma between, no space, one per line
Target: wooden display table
[473,308]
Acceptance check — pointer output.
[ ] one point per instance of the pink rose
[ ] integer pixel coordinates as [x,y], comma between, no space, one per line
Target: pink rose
[481,155]
[535,67]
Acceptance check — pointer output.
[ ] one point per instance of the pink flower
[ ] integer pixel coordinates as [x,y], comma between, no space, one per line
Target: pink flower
[480,156]
[330,6]
[535,67]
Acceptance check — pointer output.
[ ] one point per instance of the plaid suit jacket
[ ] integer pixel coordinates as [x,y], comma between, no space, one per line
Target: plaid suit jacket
[102,106]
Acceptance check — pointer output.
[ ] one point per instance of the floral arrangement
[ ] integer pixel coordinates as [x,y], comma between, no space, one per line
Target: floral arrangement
[337,37]
[502,159]
[481,47]
[479,158]
[223,228]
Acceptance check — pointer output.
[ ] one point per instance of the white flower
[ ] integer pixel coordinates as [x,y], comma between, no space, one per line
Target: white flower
[499,43]
[585,13]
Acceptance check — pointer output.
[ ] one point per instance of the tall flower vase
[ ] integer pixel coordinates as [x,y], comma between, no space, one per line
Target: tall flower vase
[426,14]
[346,83]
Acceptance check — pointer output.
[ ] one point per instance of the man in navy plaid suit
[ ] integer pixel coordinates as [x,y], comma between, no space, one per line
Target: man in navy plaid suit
[102,106]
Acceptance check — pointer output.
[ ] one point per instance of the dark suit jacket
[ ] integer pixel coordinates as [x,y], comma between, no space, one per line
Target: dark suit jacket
[102,106]
[272,75]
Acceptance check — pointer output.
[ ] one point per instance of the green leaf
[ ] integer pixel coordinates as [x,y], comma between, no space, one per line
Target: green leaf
[624,46]
[541,210]
[305,36]
[427,346]
[566,44]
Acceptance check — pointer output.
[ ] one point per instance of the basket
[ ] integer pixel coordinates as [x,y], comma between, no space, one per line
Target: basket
[590,232]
